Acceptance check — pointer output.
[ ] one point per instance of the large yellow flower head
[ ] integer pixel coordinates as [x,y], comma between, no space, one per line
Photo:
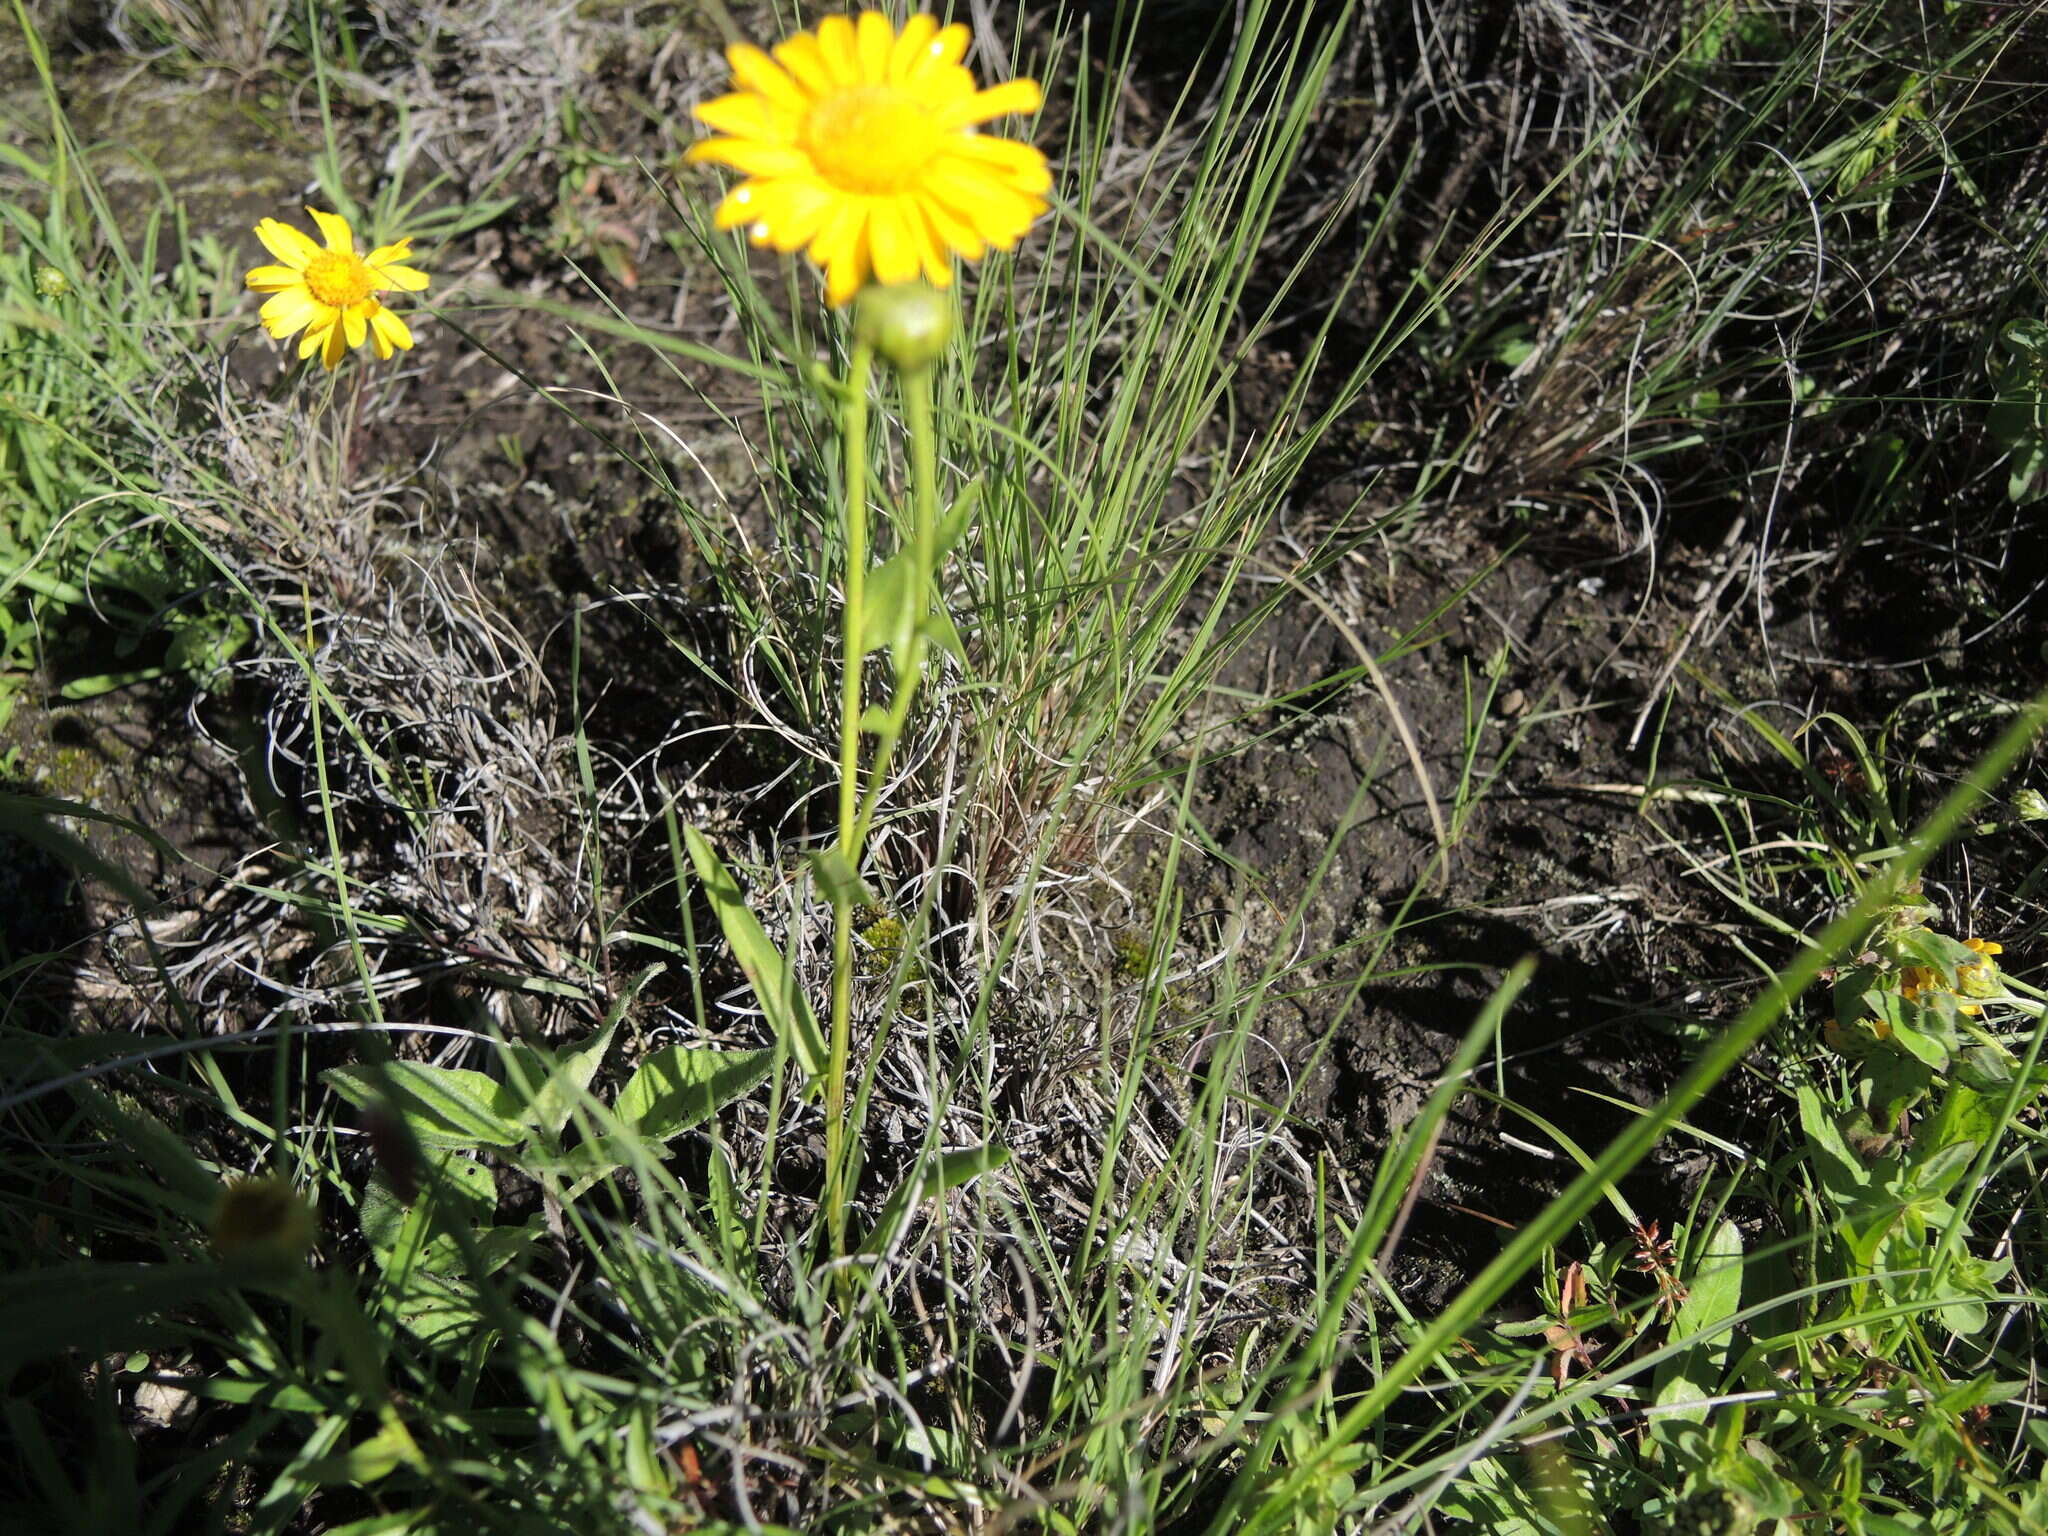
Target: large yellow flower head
[861,143]
[331,294]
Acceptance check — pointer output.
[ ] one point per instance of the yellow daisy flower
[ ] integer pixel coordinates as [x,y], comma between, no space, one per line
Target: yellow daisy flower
[860,142]
[331,294]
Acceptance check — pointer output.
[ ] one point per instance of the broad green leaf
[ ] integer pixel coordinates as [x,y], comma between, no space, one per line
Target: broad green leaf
[445,1106]
[782,1000]
[1714,1294]
[1989,1070]
[564,1077]
[1897,1082]
[947,1171]
[939,630]
[431,1287]
[1965,1116]
[681,1086]
[2026,338]
[458,1190]
[838,879]
[1924,1044]
[1842,1174]
[377,1457]
[886,609]
[1936,1176]
[2025,481]
[1714,1291]
[890,592]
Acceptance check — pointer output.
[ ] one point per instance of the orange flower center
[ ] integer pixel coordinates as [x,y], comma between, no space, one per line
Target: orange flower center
[870,138]
[337,279]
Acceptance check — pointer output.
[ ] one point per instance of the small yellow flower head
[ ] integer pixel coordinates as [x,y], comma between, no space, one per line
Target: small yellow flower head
[331,293]
[908,323]
[861,144]
[262,1220]
[1981,978]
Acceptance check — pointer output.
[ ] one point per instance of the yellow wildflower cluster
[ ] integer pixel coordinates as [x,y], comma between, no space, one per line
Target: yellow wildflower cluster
[1974,979]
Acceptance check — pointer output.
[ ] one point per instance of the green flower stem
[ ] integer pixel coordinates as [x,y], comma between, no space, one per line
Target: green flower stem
[912,630]
[854,432]
[853,423]
[907,650]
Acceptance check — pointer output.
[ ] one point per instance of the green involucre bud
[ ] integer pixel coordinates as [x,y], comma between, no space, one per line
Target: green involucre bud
[51,282]
[908,323]
[2030,805]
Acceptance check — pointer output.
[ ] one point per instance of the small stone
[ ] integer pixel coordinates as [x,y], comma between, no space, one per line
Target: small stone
[166,1404]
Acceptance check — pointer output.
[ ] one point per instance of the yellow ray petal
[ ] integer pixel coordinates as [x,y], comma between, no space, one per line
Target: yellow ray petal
[755,71]
[384,255]
[737,206]
[287,244]
[1021,96]
[332,352]
[355,322]
[390,332]
[273,279]
[997,213]
[918,33]
[744,114]
[290,311]
[1021,166]
[949,47]
[931,250]
[340,238]
[954,233]
[874,40]
[847,276]
[843,230]
[316,333]
[790,213]
[806,63]
[943,89]
[894,251]
[756,157]
[404,279]
[841,52]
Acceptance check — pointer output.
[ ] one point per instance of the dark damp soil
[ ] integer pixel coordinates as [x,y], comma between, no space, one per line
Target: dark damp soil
[1539,705]
[1521,700]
